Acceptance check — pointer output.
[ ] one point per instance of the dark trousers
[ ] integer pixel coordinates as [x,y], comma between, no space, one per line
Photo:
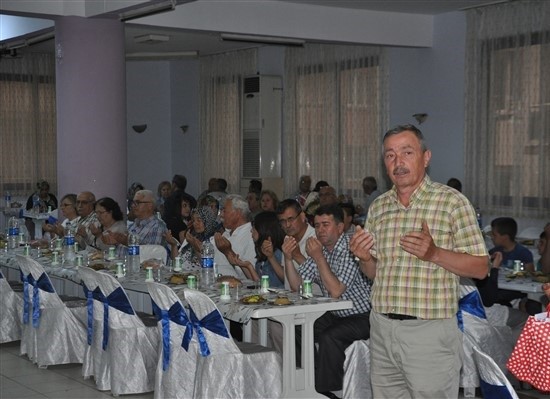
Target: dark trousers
[334,334]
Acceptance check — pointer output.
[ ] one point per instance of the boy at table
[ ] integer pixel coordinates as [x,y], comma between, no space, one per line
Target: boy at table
[334,268]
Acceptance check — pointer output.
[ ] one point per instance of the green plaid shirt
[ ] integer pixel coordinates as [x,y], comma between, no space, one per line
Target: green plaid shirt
[405,284]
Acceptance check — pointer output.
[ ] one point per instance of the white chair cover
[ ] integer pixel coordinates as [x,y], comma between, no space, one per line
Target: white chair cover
[96,360]
[175,376]
[357,371]
[152,251]
[10,315]
[225,370]
[494,384]
[132,347]
[53,333]
[495,340]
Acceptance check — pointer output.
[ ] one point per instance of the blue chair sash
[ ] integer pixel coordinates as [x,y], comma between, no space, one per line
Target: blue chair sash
[213,321]
[470,303]
[177,315]
[494,391]
[43,283]
[90,296]
[118,300]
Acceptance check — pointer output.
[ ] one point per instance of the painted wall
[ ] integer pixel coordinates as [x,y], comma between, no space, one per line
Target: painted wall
[432,81]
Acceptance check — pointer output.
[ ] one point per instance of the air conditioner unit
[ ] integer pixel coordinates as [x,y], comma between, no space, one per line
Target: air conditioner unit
[261,132]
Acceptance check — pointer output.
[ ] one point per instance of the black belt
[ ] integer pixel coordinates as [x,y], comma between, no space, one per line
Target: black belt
[397,316]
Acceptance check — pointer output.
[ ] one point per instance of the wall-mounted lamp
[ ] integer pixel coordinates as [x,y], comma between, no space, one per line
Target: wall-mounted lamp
[184,128]
[139,128]
[420,118]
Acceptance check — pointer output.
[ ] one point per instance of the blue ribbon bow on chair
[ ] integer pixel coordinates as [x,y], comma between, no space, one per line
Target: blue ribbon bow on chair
[490,391]
[90,296]
[118,300]
[177,315]
[43,283]
[470,303]
[213,321]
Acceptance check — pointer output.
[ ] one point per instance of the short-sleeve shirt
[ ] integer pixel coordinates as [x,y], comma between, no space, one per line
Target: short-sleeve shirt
[343,264]
[149,231]
[519,252]
[404,284]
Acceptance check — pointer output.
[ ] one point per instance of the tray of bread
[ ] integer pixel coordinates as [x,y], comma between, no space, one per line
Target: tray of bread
[233,281]
[179,278]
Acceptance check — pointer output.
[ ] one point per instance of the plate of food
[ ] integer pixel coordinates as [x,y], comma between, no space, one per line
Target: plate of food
[253,299]
[281,301]
[233,281]
[97,266]
[179,278]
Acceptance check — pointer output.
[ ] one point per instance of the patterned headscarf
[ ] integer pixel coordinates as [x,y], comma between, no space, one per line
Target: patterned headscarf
[210,224]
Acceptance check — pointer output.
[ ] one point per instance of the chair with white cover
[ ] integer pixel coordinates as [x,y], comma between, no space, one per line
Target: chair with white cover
[132,346]
[225,370]
[54,331]
[10,315]
[357,371]
[478,332]
[96,360]
[493,382]
[177,364]
[152,251]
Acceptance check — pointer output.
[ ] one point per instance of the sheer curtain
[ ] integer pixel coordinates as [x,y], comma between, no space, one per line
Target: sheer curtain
[220,114]
[508,108]
[27,123]
[336,107]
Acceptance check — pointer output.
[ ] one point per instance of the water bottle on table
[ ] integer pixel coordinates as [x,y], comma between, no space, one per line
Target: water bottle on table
[13,232]
[207,264]
[70,250]
[133,254]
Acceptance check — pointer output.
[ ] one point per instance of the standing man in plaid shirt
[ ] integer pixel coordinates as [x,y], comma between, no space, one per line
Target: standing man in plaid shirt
[334,268]
[419,238]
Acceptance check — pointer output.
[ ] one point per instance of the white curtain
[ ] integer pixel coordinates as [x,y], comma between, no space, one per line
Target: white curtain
[220,114]
[27,123]
[335,111]
[508,108]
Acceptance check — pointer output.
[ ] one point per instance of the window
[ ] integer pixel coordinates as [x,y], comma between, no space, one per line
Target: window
[27,123]
[508,110]
[336,116]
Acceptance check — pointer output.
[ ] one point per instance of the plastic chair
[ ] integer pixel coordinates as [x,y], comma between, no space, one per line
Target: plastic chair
[493,382]
[53,331]
[10,316]
[495,340]
[357,371]
[225,370]
[175,375]
[132,346]
[152,251]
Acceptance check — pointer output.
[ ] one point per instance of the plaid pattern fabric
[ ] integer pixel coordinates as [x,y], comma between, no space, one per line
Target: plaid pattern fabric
[343,264]
[149,231]
[405,284]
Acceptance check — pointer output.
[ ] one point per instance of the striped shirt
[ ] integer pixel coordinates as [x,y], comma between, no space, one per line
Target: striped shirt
[405,284]
[343,264]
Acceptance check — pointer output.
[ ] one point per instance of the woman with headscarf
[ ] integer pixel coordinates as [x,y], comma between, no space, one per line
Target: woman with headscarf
[202,228]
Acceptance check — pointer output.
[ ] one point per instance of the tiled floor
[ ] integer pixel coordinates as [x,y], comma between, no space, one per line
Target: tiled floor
[19,378]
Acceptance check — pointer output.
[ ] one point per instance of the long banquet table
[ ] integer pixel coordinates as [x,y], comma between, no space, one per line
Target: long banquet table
[297,382]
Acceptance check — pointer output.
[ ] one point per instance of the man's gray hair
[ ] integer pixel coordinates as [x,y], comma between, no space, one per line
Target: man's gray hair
[146,195]
[239,204]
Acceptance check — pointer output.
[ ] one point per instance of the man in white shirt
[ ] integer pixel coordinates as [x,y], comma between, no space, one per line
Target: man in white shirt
[294,223]
[237,238]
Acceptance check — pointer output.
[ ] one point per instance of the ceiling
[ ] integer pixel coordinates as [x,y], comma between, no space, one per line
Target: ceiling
[210,43]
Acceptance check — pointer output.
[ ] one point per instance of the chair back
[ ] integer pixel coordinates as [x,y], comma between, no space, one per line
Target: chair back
[209,326]
[356,382]
[493,382]
[179,350]
[38,290]
[152,251]
[94,298]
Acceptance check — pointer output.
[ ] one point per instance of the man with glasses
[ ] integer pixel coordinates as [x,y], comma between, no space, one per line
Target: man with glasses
[147,226]
[85,207]
[294,223]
